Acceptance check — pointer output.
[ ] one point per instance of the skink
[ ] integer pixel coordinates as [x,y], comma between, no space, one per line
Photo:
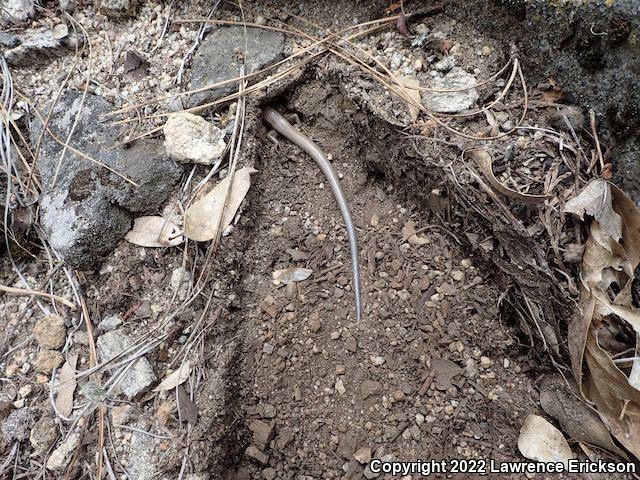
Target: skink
[284,128]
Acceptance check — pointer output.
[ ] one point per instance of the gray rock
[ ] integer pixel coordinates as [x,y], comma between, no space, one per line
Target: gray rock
[17,10]
[119,8]
[9,40]
[143,464]
[139,376]
[18,424]
[89,209]
[216,59]
[68,5]
[446,64]
[451,102]
[39,47]
[110,323]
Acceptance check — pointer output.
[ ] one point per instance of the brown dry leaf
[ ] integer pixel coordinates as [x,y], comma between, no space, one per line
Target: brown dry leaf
[411,93]
[596,264]
[618,403]
[541,441]
[484,162]
[291,275]
[201,219]
[595,200]
[612,253]
[630,213]
[175,378]
[188,410]
[578,420]
[154,232]
[67,382]
[409,234]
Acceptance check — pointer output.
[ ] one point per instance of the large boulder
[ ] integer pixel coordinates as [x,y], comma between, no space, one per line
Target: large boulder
[85,209]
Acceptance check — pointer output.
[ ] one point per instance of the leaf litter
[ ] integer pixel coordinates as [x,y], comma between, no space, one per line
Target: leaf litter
[603,349]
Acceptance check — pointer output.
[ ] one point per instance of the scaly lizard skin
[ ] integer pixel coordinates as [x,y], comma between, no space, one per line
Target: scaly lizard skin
[284,128]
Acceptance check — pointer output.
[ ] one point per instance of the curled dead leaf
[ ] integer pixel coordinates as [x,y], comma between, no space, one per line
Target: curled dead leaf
[409,234]
[291,275]
[175,378]
[154,232]
[66,386]
[595,200]
[484,162]
[202,219]
[541,441]
[410,91]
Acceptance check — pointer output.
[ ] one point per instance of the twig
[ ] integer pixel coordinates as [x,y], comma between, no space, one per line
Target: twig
[24,291]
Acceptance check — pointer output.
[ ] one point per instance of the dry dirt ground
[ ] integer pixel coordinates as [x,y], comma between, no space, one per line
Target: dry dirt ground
[434,370]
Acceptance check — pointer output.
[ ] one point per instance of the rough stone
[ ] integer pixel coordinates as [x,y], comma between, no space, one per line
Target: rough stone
[139,376]
[216,59]
[17,10]
[452,102]
[47,360]
[119,8]
[446,64]
[269,473]
[255,454]
[43,435]
[363,455]
[18,424]
[109,323]
[51,332]
[39,47]
[191,138]
[143,465]
[9,40]
[61,456]
[89,209]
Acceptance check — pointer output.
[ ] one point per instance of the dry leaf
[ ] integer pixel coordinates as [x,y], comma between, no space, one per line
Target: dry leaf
[409,234]
[154,232]
[202,218]
[484,162]
[579,420]
[67,386]
[188,410]
[290,275]
[175,378]
[541,441]
[410,91]
[60,31]
[595,200]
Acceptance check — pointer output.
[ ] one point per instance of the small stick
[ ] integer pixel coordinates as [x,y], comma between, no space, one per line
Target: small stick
[592,117]
[24,291]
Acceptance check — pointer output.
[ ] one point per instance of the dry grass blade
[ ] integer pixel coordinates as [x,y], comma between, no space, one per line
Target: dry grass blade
[50,296]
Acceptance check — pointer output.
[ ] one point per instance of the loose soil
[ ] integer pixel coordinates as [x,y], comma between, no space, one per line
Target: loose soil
[434,370]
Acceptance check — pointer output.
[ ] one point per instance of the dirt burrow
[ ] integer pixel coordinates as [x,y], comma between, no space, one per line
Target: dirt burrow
[432,371]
